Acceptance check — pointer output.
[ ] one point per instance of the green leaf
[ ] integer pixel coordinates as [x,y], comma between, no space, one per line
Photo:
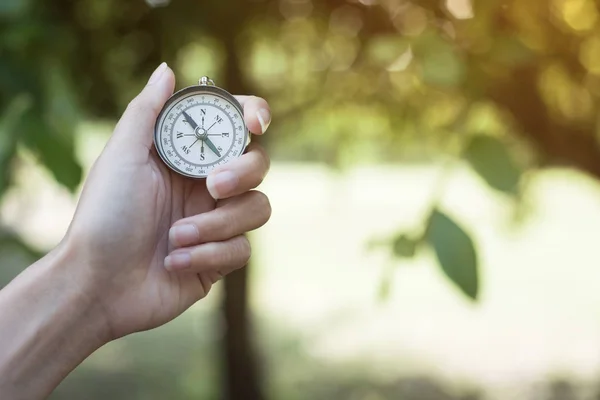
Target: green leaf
[455,252]
[17,77]
[58,155]
[48,130]
[490,158]
[9,120]
[55,150]
[60,104]
[404,246]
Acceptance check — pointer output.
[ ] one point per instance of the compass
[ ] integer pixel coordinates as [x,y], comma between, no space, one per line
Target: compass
[200,128]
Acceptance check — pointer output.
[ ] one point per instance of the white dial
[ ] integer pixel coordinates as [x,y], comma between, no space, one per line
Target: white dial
[200,129]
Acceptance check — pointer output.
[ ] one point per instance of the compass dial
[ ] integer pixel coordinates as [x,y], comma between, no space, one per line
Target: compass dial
[198,130]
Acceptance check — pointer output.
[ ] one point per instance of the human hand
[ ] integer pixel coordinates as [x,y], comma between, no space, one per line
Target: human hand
[148,242]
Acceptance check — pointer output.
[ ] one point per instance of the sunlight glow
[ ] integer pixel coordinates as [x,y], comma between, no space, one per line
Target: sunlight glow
[579,15]
[402,62]
[589,54]
[460,9]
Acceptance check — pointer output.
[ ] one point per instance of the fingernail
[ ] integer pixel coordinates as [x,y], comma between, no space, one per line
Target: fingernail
[183,235]
[264,117]
[178,261]
[158,72]
[223,184]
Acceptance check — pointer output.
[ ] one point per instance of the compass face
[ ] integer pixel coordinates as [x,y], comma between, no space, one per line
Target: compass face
[199,129]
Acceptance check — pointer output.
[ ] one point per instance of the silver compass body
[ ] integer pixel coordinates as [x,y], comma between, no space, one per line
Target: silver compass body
[200,128]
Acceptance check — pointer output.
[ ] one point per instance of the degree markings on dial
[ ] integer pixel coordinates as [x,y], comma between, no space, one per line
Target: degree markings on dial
[179,136]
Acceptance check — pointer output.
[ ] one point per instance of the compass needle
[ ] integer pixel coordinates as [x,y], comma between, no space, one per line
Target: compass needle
[212,147]
[213,107]
[189,120]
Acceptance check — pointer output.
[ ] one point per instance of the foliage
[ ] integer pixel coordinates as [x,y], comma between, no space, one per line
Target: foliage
[505,86]
[455,252]
[349,82]
[490,158]
[9,121]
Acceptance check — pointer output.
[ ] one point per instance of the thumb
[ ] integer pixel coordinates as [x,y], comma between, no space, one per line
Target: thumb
[136,126]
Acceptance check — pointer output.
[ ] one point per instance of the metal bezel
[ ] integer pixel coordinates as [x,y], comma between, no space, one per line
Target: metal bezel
[215,90]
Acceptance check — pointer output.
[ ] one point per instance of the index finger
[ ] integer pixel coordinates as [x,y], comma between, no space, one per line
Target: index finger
[240,175]
[257,113]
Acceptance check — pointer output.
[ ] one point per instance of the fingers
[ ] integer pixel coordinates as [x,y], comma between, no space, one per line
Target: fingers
[248,171]
[257,113]
[237,216]
[215,241]
[137,123]
[224,257]
[240,175]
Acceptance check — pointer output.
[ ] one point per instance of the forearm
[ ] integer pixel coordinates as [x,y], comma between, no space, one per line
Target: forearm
[48,325]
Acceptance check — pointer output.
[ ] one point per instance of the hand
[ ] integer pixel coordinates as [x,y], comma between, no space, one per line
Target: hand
[149,242]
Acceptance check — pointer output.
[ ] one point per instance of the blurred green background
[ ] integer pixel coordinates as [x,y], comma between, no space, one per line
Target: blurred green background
[434,186]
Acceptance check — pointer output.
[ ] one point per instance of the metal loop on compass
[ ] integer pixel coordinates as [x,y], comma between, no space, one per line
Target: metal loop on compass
[206,81]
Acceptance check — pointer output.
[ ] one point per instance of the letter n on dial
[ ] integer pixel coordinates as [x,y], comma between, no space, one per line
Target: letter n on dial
[199,132]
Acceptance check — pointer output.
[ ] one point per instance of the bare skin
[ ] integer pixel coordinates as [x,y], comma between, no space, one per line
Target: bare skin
[144,245]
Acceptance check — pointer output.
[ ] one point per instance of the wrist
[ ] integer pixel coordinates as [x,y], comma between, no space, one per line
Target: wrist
[49,325]
[70,270]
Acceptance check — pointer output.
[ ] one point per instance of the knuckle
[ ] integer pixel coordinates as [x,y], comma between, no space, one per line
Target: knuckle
[225,222]
[142,103]
[234,254]
[214,256]
[135,105]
